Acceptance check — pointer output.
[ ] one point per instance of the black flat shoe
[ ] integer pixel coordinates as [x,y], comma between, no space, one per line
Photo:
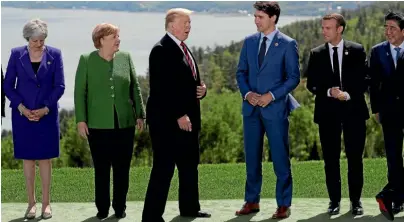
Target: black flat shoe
[397,208]
[333,208]
[356,208]
[102,215]
[120,215]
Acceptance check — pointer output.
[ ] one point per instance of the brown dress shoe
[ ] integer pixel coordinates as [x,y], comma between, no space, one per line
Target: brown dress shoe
[281,213]
[248,208]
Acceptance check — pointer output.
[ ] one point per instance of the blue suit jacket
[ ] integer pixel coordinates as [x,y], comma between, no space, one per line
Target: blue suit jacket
[34,92]
[386,86]
[279,74]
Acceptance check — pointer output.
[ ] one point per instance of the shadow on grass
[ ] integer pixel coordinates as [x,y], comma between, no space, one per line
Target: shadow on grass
[242,218]
[21,219]
[182,219]
[95,219]
[345,218]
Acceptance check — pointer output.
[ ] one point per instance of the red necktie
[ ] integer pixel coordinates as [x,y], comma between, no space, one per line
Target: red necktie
[189,60]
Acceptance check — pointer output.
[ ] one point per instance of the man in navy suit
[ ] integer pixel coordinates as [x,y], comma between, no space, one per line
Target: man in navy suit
[3,97]
[386,73]
[268,71]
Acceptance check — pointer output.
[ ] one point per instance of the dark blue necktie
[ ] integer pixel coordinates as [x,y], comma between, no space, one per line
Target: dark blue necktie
[263,48]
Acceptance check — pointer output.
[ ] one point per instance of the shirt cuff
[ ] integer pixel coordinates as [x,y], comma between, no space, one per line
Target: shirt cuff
[245,97]
[273,97]
[347,97]
[329,93]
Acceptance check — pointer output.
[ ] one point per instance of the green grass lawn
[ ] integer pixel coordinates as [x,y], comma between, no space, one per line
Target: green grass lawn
[225,181]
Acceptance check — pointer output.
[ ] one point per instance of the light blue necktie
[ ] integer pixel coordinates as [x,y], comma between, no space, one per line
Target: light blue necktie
[398,53]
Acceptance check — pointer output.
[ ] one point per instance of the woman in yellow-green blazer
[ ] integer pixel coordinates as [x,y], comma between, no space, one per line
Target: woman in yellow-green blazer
[108,107]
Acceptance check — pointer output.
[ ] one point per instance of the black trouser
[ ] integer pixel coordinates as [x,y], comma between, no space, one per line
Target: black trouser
[111,147]
[393,143]
[170,149]
[354,139]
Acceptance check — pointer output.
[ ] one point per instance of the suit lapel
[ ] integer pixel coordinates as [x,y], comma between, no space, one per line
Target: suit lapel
[272,50]
[388,58]
[325,54]
[256,42]
[178,52]
[46,62]
[26,64]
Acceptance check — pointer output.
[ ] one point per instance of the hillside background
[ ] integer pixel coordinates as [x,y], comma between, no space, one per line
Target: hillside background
[221,136]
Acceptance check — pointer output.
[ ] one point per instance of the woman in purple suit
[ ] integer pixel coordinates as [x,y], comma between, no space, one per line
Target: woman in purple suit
[38,71]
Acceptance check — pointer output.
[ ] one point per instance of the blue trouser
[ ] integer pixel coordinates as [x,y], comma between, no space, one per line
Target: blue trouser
[277,133]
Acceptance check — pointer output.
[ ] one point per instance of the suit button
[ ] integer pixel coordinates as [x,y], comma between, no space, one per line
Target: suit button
[110,79]
[39,86]
[112,87]
[398,98]
[112,95]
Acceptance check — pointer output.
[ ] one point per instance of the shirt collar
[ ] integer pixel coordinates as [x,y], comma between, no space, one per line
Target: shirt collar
[271,35]
[340,45]
[174,38]
[401,46]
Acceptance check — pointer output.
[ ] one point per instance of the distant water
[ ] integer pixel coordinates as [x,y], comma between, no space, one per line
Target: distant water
[70,30]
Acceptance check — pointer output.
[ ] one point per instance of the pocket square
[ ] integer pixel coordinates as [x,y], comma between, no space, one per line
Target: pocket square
[292,103]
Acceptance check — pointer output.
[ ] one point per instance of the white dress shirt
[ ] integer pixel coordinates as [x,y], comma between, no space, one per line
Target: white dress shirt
[394,52]
[340,51]
[179,45]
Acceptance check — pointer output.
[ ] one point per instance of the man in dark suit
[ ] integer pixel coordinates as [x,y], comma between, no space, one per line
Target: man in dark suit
[174,119]
[386,74]
[336,75]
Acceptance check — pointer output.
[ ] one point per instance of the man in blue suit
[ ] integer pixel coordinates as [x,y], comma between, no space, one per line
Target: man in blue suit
[386,71]
[268,71]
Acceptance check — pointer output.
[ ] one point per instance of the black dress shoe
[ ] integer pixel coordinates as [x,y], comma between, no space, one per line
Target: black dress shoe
[120,215]
[356,208]
[102,215]
[197,214]
[333,208]
[385,206]
[397,208]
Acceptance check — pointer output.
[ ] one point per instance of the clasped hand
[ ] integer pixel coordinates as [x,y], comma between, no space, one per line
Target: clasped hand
[260,100]
[35,115]
[337,94]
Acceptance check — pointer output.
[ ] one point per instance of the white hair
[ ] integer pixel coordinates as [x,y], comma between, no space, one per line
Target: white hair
[35,28]
[174,12]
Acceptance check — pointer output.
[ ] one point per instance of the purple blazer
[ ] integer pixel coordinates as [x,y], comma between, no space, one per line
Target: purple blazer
[35,140]
[34,92]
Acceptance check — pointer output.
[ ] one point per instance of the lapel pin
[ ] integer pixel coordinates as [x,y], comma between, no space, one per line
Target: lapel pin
[49,62]
[276,44]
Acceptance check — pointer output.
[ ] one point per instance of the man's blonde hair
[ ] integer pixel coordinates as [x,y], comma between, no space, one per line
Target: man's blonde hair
[174,13]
